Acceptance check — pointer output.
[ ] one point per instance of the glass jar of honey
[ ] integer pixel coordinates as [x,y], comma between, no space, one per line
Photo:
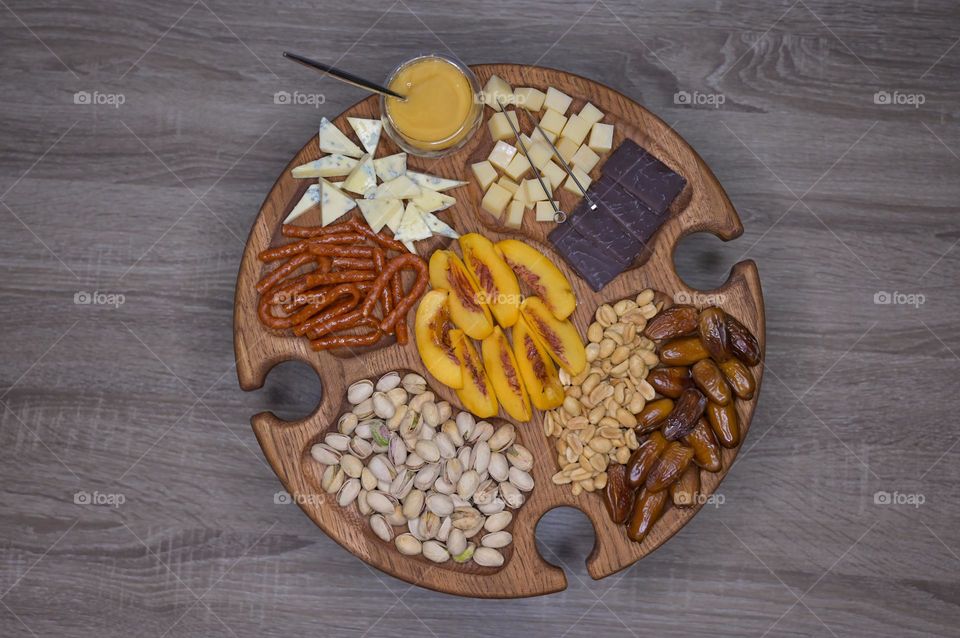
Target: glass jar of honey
[442,109]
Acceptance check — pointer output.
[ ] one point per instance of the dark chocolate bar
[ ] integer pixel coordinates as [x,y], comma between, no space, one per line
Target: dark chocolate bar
[586,257]
[650,180]
[629,213]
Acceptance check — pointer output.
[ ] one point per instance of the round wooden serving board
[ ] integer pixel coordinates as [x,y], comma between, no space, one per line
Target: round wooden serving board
[703,206]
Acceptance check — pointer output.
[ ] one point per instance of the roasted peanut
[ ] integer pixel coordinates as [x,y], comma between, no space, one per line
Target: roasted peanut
[688,409]
[670,382]
[706,450]
[683,492]
[712,324]
[672,322]
[723,422]
[652,414]
[668,468]
[646,511]
[742,342]
[644,458]
[710,380]
[740,378]
[683,351]
[617,495]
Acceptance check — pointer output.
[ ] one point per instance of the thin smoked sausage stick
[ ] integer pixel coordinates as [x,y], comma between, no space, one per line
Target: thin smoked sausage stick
[407,261]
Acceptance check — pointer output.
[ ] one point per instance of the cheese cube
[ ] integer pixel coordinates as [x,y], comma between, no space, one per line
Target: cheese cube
[485,173]
[553,121]
[545,211]
[591,113]
[557,100]
[576,129]
[495,88]
[521,196]
[518,167]
[601,138]
[534,191]
[528,98]
[500,128]
[567,149]
[509,184]
[496,199]
[540,154]
[571,185]
[538,137]
[585,159]
[553,173]
[514,215]
[502,154]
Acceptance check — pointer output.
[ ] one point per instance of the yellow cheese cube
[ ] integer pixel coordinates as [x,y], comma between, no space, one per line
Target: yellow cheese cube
[500,128]
[576,129]
[553,121]
[517,168]
[553,173]
[534,191]
[567,149]
[485,173]
[496,87]
[571,185]
[585,159]
[591,113]
[509,184]
[502,154]
[545,211]
[521,196]
[496,199]
[514,215]
[528,98]
[557,100]
[540,154]
[601,138]
[538,137]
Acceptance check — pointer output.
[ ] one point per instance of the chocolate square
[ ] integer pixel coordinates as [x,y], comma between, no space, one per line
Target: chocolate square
[649,179]
[591,261]
[623,209]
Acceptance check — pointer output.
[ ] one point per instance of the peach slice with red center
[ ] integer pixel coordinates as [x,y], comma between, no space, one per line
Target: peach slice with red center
[501,366]
[467,308]
[538,372]
[540,275]
[477,394]
[559,338]
[432,328]
[498,284]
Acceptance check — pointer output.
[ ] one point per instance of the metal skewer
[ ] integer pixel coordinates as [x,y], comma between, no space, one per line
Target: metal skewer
[558,215]
[344,76]
[563,163]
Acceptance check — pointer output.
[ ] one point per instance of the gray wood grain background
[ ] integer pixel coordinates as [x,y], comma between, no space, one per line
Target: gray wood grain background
[137,141]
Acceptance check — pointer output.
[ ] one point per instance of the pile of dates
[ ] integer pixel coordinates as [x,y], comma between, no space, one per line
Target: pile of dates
[705,357]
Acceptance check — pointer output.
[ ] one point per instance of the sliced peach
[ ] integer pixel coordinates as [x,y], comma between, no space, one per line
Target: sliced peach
[432,330]
[540,275]
[559,338]
[467,308]
[538,372]
[477,394]
[501,366]
[497,282]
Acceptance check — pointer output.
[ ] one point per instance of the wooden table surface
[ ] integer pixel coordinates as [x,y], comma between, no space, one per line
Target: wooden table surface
[137,141]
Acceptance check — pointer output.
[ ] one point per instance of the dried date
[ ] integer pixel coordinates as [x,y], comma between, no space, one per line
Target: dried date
[724,423]
[672,322]
[683,492]
[739,377]
[670,382]
[742,342]
[712,324]
[618,497]
[683,351]
[647,510]
[689,408]
[706,450]
[652,414]
[644,458]
[709,379]
[668,468]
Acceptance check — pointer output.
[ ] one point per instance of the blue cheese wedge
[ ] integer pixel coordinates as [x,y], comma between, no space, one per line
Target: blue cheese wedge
[398,188]
[368,132]
[330,166]
[412,227]
[438,227]
[310,199]
[363,178]
[393,220]
[377,211]
[391,166]
[334,203]
[433,182]
[332,140]
[429,201]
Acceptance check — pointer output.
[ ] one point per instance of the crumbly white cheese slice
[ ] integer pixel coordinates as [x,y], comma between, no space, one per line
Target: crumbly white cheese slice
[330,166]
[334,203]
[368,131]
[412,227]
[363,178]
[433,182]
[310,199]
[430,201]
[438,227]
[378,211]
[393,220]
[391,166]
[398,188]
[332,140]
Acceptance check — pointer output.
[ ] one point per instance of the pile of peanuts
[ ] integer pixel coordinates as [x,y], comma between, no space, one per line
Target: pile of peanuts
[595,425]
